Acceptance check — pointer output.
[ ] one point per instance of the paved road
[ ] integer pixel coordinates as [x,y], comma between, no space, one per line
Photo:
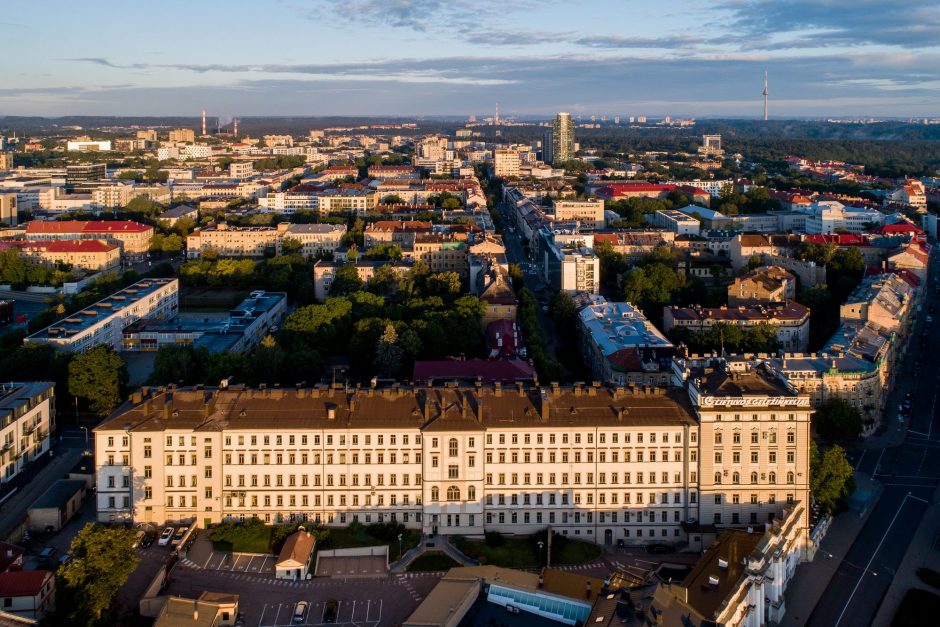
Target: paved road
[515,253]
[909,473]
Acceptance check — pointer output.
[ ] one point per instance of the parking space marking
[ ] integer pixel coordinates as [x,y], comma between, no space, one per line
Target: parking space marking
[248,567]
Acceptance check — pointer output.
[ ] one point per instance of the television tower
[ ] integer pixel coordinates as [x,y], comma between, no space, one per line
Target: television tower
[235,129]
[203,121]
[496,118]
[766,95]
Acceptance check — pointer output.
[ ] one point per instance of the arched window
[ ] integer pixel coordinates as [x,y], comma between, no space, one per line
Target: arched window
[435,494]
[717,477]
[790,477]
[773,477]
[736,478]
[472,493]
[452,447]
[753,477]
[453,493]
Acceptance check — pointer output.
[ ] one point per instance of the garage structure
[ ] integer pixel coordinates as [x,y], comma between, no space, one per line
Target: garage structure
[57,504]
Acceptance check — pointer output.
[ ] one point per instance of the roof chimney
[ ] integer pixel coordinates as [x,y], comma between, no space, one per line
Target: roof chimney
[544,405]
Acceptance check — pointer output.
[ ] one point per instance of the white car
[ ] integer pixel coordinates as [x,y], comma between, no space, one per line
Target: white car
[165,537]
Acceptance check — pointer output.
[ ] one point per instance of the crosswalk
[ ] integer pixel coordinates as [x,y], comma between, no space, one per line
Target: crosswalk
[406,584]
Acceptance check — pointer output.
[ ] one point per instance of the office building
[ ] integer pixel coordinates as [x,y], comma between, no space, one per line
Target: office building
[104,322]
[6,160]
[27,421]
[85,176]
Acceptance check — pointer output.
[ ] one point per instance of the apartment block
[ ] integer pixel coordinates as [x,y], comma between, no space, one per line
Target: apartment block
[506,163]
[91,255]
[104,322]
[590,211]
[27,421]
[790,318]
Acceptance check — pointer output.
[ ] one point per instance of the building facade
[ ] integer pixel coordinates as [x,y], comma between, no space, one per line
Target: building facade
[27,421]
[790,318]
[105,321]
[597,463]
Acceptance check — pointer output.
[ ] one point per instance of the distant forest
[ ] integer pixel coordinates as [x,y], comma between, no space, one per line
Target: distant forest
[886,148]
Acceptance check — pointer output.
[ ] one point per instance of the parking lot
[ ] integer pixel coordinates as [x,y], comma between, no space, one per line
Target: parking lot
[352,566]
[267,601]
[240,562]
[356,612]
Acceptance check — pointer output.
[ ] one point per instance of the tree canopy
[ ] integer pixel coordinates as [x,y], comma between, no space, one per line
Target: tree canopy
[98,376]
[837,419]
[831,477]
[102,560]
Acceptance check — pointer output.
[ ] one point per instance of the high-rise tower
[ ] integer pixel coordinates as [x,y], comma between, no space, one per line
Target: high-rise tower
[558,144]
[766,96]
[203,121]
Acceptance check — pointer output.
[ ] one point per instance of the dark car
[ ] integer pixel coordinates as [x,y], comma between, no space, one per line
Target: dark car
[148,541]
[658,549]
[329,611]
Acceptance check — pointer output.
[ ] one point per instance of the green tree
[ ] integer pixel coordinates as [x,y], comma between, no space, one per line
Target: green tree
[393,199]
[345,281]
[156,243]
[382,252]
[831,478]
[837,419]
[388,354]
[102,560]
[144,206]
[172,244]
[173,363]
[446,284]
[266,360]
[291,246]
[98,376]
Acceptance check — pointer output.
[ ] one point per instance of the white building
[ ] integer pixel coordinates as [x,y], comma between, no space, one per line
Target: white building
[829,216]
[677,222]
[241,169]
[316,239]
[596,463]
[589,211]
[104,322]
[580,271]
[506,162]
[27,420]
[88,146]
[28,595]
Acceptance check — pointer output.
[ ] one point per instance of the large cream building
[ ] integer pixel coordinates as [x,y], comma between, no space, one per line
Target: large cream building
[598,463]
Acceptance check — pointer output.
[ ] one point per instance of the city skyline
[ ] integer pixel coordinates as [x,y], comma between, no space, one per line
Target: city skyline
[429,57]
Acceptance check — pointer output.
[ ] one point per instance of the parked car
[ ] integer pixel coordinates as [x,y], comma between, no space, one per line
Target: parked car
[165,537]
[329,611]
[138,538]
[64,559]
[300,611]
[178,536]
[148,540]
[47,553]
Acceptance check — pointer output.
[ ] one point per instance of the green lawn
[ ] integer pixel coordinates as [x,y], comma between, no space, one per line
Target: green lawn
[524,553]
[350,537]
[254,539]
[432,561]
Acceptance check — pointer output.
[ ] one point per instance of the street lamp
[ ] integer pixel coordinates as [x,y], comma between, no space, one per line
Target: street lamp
[85,429]
[399,546]
[541,545]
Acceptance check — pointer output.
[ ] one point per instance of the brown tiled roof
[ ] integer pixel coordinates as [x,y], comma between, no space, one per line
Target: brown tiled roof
[462,408]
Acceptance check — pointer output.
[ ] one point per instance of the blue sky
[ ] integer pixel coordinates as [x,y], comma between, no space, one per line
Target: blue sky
[459,57]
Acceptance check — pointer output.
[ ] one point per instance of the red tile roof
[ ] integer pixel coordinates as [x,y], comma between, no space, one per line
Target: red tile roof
[839,239]
[22,583]
[72,246]
[91,226]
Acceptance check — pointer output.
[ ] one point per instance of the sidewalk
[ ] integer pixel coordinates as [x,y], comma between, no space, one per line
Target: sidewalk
[921,552]
[811,578]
